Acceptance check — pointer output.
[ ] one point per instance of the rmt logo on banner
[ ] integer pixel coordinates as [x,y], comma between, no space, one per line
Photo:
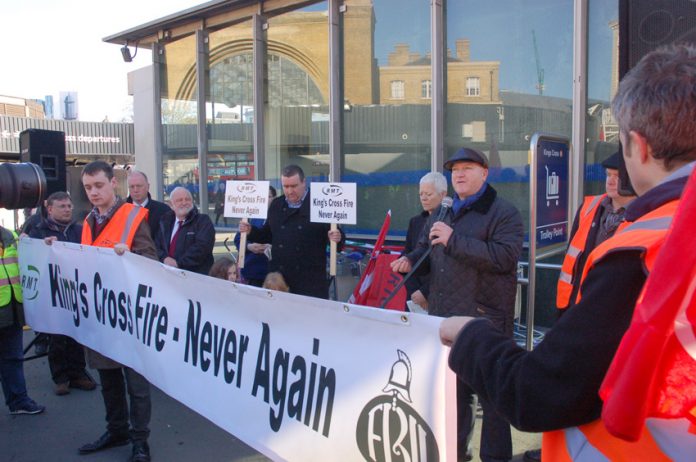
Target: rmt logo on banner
[389,429]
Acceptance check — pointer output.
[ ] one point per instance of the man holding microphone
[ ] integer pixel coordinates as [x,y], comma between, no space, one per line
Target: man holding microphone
[473,272]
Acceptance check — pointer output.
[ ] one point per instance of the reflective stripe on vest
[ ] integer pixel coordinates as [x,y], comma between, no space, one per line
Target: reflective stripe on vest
[120,229]
[661,439]
[10,282]
[647,234]
[576,247]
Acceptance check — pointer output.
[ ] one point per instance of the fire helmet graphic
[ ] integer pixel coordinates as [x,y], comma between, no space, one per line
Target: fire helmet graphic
[389,429]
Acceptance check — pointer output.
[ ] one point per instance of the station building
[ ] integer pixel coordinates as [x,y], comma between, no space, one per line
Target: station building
[380,92]
[376,92]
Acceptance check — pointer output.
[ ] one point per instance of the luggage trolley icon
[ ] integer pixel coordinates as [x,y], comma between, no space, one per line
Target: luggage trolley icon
[552,189]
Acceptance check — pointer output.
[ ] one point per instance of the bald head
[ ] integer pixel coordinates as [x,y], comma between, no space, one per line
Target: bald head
[138,186]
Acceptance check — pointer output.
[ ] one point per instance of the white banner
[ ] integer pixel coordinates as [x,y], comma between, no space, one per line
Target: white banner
[333,203]
[246,199]
[297,378]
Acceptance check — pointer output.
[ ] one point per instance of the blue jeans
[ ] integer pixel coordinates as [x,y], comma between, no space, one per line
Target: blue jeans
[12,367]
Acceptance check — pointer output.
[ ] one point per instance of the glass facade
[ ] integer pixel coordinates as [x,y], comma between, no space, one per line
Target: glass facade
[229,112]
[297,92]
[509,75]
[502,87]
[602,81]
[504,72]
[386,117]
[179,115]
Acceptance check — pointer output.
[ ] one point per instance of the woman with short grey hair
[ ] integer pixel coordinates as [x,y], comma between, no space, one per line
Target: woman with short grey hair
[432,188]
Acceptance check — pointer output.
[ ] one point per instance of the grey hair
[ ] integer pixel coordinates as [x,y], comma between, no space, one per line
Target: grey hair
[180,188]
[657,99]
[436,179]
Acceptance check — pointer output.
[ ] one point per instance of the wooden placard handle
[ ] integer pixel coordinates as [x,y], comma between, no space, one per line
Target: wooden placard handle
[242,247]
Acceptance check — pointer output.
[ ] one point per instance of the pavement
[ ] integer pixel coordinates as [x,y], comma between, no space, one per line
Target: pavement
[177,433]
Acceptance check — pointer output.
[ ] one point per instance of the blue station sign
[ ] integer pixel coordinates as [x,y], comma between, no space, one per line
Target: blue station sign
[552,190]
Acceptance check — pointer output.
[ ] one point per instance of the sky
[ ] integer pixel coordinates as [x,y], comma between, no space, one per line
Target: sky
[501,30]
[49,46]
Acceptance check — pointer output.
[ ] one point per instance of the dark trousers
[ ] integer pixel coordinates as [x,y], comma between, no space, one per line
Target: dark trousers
[219,214]
[496,438]
[114,383]
[12,366]
[66,359]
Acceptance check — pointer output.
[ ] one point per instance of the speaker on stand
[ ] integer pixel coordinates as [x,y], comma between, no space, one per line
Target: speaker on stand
[45,148]
[648,24]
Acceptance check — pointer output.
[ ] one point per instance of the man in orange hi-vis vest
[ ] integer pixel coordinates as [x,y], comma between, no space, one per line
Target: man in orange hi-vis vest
[122,226]
[555,388]
[596,221]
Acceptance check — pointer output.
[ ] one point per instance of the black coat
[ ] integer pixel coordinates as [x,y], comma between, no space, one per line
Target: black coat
[193,250]
[156,210]
[420,281]
[476,273]
[298,247]
[72,233]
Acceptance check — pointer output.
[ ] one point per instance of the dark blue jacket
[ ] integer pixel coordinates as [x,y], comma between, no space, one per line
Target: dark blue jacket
[194,245]
[255,265]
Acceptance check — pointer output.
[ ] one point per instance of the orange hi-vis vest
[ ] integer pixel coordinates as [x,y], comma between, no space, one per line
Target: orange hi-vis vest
[119,230]
[576,248]
[660,438]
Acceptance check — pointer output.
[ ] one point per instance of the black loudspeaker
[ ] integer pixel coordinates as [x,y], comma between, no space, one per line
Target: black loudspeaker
[45,148]
[647,24]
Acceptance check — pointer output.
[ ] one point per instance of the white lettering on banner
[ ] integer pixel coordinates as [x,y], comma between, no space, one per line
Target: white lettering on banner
[307,375]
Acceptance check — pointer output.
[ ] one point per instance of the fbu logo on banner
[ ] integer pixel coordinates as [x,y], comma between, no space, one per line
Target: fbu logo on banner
[389,429]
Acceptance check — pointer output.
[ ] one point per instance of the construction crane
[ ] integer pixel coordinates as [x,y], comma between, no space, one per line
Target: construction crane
[540,71]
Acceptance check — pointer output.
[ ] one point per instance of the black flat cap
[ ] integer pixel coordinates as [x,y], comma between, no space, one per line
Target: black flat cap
[612,161]
[467,155]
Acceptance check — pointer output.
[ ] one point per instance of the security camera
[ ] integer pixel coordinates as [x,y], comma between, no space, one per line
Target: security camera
[125,52]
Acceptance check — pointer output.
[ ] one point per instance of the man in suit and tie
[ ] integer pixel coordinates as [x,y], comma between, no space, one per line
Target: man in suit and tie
[139,194]
[186,237]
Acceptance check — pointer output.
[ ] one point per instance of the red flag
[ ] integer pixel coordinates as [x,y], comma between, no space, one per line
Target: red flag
[384,281]
[653,373]
[378,277]
[360,292]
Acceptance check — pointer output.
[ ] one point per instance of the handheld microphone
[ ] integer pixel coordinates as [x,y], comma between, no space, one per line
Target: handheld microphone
[445,205]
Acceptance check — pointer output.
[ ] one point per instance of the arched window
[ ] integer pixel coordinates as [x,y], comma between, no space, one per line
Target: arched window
[231,82]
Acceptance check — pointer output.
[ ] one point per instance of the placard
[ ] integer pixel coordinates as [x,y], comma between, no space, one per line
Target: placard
[246,199]
[333,203]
